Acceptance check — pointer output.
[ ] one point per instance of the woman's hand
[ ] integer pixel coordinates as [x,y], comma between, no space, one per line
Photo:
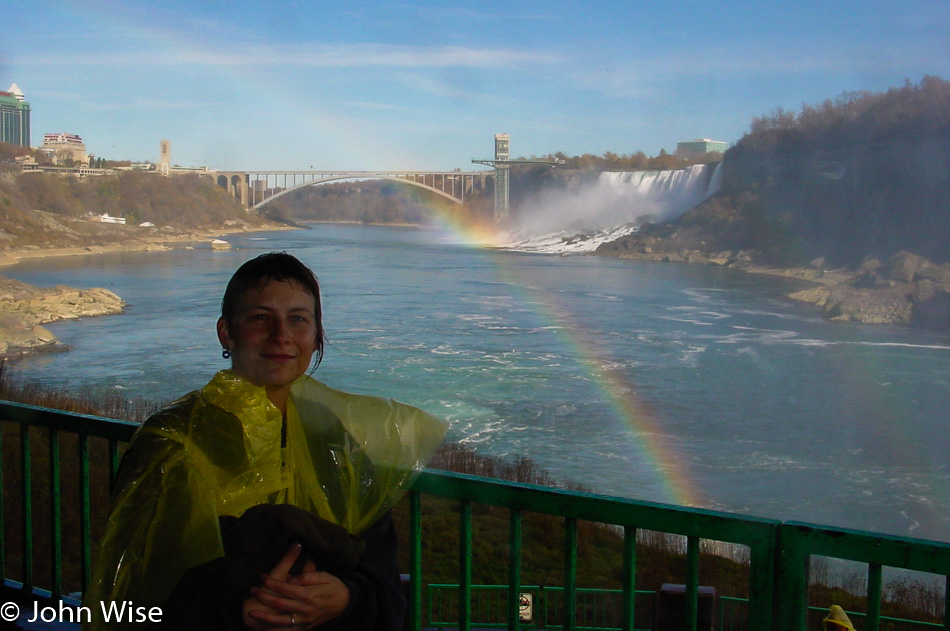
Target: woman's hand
[305,600]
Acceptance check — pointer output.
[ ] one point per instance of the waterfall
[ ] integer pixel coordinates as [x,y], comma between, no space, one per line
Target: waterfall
[664,195]
[614,206]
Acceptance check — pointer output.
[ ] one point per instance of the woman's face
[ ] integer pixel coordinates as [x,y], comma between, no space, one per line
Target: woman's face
[272,336]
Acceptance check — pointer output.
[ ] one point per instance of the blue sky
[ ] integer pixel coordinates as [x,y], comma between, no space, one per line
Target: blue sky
[425,85]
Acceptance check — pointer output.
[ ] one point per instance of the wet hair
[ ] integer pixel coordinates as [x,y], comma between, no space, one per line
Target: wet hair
[278,266]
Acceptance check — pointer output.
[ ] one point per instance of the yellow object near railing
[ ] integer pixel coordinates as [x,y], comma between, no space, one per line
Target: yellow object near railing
[57,467]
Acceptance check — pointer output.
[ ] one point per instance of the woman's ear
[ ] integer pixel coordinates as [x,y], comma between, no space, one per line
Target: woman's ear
[223,335]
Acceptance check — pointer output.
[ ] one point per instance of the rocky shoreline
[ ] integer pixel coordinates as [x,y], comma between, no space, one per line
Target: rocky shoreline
[24,309]
[904,290]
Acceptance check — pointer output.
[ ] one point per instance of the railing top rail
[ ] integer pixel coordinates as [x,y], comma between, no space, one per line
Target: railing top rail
[922,555]
[87,424]
[708,524]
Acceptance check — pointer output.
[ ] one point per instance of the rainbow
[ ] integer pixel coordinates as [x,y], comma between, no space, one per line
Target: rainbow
[611,385]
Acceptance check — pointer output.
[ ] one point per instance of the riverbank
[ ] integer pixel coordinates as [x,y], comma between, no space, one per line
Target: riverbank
[25,309]
[141,240]
[904,290]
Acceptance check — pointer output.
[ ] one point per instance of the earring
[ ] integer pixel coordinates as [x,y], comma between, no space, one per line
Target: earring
[226,353]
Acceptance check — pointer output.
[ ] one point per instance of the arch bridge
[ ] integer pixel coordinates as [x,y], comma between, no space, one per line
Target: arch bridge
[257,188]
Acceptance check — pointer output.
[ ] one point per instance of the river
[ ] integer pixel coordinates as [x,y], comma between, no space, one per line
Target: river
[672,383]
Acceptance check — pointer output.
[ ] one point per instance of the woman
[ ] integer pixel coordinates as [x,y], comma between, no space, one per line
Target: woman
[264,434]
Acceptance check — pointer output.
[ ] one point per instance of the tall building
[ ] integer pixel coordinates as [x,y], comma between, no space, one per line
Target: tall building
[700,146]
[14,117]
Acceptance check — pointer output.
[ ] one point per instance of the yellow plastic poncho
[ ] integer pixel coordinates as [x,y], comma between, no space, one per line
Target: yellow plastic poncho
[217,451]
[837,620]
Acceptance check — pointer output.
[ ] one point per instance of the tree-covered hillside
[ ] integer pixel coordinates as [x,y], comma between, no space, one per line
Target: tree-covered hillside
[866,174]
[48,210]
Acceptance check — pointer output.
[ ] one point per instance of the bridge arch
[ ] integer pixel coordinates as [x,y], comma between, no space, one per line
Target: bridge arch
[345,176]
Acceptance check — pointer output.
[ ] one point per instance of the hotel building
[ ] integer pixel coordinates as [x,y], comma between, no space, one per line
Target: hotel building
[65,146]
[14,117]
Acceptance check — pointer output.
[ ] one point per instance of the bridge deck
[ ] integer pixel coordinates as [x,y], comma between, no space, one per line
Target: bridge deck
[258,188]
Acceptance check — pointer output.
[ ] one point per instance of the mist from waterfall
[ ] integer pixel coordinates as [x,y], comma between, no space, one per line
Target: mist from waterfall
[612,207]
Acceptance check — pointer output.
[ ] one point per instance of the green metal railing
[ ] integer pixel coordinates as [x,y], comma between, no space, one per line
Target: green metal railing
[759,535]
[29,421]
[778,553]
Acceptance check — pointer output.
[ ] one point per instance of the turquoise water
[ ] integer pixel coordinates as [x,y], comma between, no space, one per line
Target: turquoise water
[671,383]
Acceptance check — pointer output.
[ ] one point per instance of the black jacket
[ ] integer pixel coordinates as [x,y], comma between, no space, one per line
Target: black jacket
[209,597]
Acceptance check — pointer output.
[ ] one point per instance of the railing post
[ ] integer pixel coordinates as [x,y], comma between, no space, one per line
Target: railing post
[791,584]
[875,583]
[26,488]
[570,573]
[54,507]
[692,583]
[629,578]
[415,561]
[946,603]
[465,566]
[85,529]
[763,564]
[514,569]
[3,538]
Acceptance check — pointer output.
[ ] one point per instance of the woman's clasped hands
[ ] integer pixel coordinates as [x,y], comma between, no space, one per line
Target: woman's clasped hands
[303,601]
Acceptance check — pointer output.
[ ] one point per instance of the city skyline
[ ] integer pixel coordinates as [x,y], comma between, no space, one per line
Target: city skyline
[424,85]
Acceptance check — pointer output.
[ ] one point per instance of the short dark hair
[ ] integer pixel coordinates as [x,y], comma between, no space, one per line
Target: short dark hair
[278,266]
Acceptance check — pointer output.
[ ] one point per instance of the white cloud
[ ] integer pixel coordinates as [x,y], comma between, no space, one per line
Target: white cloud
[307,56]
[650,78]
[449,13]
